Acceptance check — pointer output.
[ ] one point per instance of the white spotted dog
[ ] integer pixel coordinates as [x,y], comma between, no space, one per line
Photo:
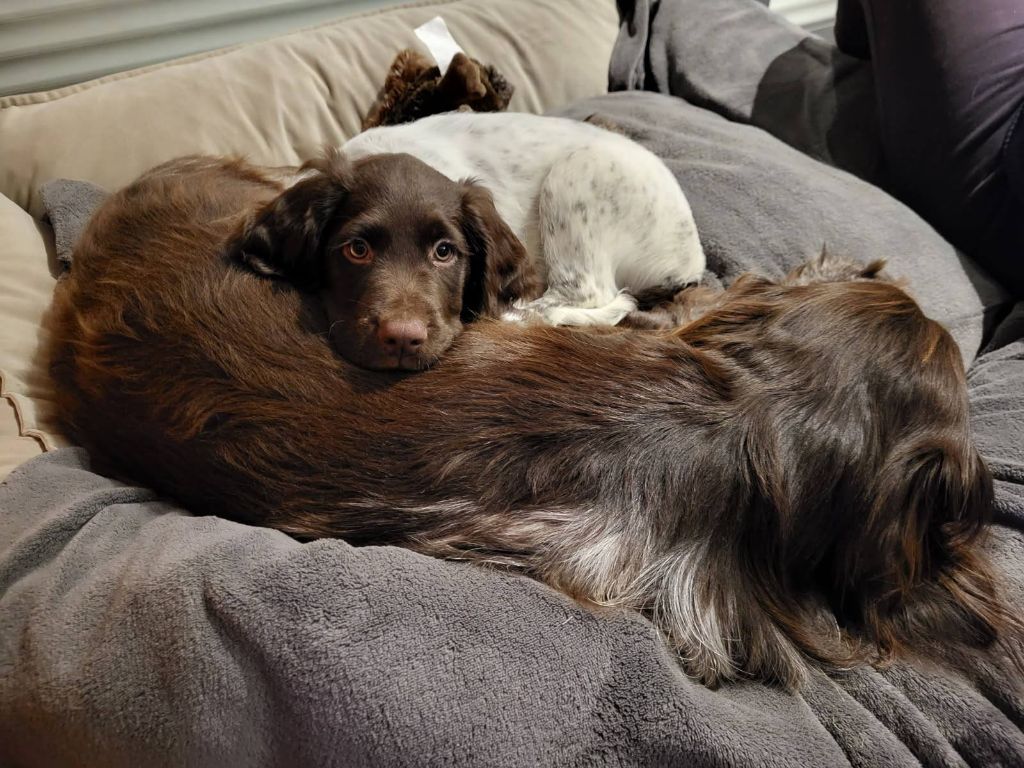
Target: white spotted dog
[602,218]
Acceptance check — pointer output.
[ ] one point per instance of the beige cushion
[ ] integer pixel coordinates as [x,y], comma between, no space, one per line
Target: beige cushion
[279,100]
[26,413]
[14,447]
[275,102]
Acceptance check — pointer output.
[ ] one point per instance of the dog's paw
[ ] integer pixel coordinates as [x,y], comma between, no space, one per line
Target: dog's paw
[517,315]
[551,310]
[609,314]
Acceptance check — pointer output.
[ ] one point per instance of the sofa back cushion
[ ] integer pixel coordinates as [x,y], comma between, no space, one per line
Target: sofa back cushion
[278,101]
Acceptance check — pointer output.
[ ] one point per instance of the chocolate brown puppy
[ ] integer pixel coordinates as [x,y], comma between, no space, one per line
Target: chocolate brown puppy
[401,255]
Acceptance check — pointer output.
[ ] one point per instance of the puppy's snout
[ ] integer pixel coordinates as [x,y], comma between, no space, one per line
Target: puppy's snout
[400,337]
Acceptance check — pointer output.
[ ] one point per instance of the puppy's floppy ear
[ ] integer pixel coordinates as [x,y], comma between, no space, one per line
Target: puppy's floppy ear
[500,269]
[934,495]
[285,237]
[931,578]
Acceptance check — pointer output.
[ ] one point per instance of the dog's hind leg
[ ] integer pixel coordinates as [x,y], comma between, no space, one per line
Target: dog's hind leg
[581,288]
[612,220]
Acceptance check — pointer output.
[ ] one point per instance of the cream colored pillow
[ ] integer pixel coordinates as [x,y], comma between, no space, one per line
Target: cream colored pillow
[15,448]
[27,425]
[280,100]
[276,102]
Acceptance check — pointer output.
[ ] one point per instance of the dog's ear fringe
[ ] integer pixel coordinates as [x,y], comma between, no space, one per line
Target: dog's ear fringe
[827,267]
[869,271]
[500,268]
[331,163]
[931,581]
[283,238]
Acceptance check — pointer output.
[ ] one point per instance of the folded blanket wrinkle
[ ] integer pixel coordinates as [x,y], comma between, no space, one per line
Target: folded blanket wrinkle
[69,205]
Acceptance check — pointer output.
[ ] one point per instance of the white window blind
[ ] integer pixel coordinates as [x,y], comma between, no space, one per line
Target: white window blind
[49,43]
[813,14]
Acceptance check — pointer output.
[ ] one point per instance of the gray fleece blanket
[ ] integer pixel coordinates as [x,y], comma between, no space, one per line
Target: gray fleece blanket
[134,633]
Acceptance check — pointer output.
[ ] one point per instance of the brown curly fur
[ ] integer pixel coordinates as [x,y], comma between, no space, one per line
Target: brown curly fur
[414,88]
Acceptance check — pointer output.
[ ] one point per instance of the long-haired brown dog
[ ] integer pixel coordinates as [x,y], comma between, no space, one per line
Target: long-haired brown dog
[787,478]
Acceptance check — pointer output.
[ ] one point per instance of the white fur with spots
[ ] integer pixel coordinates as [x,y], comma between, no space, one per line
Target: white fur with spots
[601,216]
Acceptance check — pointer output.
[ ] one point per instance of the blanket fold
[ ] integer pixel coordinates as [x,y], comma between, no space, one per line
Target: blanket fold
[136,634]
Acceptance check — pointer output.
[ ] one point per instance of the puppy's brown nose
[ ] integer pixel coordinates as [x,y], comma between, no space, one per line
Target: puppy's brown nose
[401,337]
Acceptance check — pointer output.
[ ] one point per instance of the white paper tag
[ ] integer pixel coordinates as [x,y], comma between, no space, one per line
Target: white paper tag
[439,42]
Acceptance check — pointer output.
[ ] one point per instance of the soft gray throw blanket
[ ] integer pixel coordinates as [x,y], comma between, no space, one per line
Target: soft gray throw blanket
[69,205]
[132,633]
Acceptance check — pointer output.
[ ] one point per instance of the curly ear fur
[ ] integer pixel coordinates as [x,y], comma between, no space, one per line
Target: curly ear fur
[408,72]
[828,268]
[500,269]
[415,88]
[283,239]
[916,554]
[927,580]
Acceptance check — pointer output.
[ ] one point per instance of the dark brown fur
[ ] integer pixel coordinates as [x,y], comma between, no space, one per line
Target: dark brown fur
[787,478]
[401,306]
[414,88]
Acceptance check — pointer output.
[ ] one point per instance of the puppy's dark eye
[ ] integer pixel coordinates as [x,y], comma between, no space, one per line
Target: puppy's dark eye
[444,252]
[358,251]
